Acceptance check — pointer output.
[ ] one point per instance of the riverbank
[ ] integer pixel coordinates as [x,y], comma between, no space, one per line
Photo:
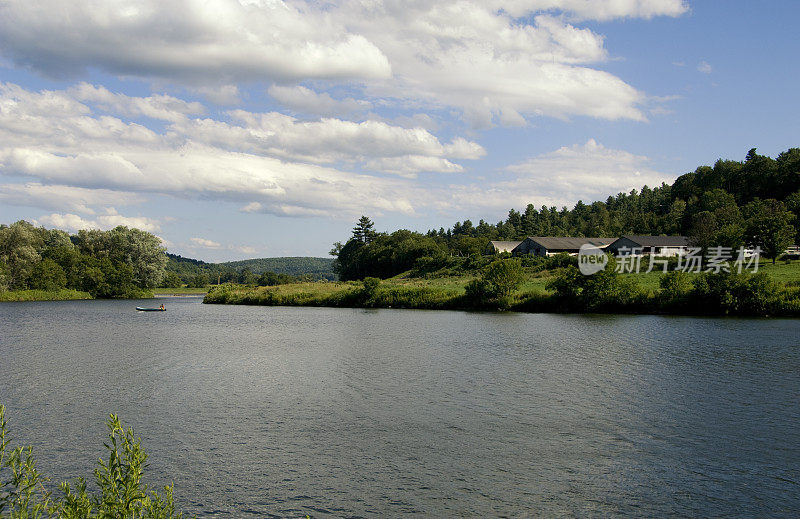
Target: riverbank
[43,295]
[70,295]
[773,292]
[180,292]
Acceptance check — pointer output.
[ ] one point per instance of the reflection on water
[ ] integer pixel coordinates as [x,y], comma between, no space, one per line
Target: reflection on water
[340,412]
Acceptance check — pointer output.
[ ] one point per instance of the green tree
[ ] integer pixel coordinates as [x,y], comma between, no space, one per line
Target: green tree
[364,231]
[497,283]
[139,249]
[769,225]
[142,251]
[20,247]
[198,281]
[172,280]
[47,275]
[793,204]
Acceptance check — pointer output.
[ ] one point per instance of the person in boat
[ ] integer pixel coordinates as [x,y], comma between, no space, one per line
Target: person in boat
[162,307]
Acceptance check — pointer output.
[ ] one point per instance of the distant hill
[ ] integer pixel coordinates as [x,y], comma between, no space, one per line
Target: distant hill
[188,268]
[295,266]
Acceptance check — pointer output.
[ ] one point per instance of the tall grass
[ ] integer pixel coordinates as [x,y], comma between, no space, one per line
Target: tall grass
[775,293]
[63,294]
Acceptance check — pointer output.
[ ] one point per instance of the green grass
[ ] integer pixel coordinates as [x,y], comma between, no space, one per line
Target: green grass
[180,291]
[43,295]
[440,292]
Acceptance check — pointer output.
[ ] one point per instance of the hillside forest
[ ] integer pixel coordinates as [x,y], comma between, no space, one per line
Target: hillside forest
[754,202]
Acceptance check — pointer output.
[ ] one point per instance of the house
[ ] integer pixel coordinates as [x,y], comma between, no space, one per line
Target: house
[497,247]
[654,245]
[550,245]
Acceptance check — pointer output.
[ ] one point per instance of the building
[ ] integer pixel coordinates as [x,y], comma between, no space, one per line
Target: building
[550,245]
[655,245]
[497,247]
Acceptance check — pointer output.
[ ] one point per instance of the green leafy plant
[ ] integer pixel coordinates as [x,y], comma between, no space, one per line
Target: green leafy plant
[122,494]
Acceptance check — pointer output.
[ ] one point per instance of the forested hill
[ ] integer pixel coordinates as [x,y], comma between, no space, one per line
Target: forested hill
[199,273]
[732,203]
[703,201]
[294,266]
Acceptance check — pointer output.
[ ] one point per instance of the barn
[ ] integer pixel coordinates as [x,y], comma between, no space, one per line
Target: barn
[498,247]
[549,245]
[655,245]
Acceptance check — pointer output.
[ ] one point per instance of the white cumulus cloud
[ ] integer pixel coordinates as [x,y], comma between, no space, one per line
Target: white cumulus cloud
[497,61]
[73,222]
[302,99]
[204,243]
[587,172]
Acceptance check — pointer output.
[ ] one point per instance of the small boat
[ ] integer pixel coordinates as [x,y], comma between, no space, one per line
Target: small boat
[151,309]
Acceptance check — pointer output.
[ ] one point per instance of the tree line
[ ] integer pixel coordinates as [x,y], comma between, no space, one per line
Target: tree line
[122,262]
[264,271]
[754,202]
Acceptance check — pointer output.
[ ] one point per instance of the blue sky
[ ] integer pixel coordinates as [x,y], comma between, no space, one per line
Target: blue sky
[255,128]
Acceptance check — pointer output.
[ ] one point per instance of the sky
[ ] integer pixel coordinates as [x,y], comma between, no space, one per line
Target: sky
[237,129]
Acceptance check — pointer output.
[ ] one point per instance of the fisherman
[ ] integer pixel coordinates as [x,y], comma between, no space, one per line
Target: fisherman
[162,308]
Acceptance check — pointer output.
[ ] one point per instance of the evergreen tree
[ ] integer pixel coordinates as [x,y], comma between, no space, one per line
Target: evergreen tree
[364,230]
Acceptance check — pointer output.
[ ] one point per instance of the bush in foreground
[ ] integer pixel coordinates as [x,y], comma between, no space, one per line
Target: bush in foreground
[497,283]
[121,491]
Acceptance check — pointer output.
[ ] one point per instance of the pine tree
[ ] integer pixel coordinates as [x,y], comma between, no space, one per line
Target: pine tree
[364,230]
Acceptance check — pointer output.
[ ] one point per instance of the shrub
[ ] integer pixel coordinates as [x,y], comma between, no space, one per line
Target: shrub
[736,293]
[498,281]
[604,291]
[674,288]
[122,493]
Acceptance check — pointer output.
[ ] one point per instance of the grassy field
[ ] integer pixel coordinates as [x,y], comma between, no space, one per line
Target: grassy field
[43,295]
[180,291]
[435,292]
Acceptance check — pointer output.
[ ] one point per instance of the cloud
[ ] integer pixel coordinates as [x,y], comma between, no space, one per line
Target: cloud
[284,165]
[493,67]
[302,99]
[497,61]
[587,172]
[704,67]
[271,163]
[193,41]
[73,222]
[602,10]
[162,107]
[328,140]
[410,165]
[205,244]
[65,198]
[225,95]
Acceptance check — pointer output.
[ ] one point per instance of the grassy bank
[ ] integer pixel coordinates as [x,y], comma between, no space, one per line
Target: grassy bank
[775,292]
[43,295]
[180,291]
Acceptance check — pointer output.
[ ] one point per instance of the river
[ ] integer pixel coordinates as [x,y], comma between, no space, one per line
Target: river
[274,411]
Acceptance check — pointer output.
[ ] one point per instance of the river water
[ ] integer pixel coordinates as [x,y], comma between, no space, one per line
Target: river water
[260,411]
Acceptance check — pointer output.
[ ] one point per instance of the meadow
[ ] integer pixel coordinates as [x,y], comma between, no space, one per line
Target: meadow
[533,293]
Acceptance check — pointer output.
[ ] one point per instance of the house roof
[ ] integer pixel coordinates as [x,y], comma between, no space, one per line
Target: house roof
[504,246]
[659,241]
[569,242]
